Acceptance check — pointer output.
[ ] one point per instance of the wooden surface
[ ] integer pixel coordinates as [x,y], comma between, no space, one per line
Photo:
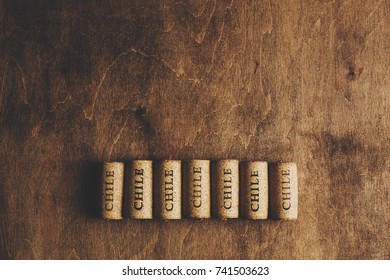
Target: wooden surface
[304,81]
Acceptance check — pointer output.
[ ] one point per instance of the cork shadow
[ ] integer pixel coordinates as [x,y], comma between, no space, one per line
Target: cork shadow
[89,190]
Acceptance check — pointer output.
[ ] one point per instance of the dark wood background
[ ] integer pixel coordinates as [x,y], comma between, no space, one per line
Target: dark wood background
[304,81]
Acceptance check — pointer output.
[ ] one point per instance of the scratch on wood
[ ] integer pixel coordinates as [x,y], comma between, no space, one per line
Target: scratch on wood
[23,79]
[32,248]
[221,127]
[183,240]
[117,137]
[55,106]
[73,255]
[89,115]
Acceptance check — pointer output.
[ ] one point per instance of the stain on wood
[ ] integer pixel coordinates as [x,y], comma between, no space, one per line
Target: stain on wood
[81,83]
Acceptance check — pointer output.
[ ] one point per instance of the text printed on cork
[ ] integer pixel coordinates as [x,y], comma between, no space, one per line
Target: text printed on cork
[254,190]
[112,190]
[139,181]
[284,191]
[226,189]
[197,189]
[168,203]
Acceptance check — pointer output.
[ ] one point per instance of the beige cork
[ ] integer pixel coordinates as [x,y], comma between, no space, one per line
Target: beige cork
[138,201]
[283,179]
[168,189]
[254,190]
[225,186]
[112,190]
[196,192]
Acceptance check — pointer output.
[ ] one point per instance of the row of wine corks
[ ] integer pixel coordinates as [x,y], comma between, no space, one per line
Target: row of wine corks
[198,189]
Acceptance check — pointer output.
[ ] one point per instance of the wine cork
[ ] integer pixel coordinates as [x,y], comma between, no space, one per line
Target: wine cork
[112,190]
[225,181]
[283,190]
[139,184]
[196,202]
[254,190]
[168,190]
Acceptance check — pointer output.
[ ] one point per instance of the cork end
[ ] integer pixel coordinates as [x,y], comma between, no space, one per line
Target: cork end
[199,217]
[170,219]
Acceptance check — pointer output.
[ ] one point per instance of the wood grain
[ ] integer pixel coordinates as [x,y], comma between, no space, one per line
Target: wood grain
[303,81]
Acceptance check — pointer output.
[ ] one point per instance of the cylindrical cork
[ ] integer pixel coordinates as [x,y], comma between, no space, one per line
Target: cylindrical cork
[283,179]
[225,184]
[138,201]
[168,189]
[254,190]
[196,201]
[112,190]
